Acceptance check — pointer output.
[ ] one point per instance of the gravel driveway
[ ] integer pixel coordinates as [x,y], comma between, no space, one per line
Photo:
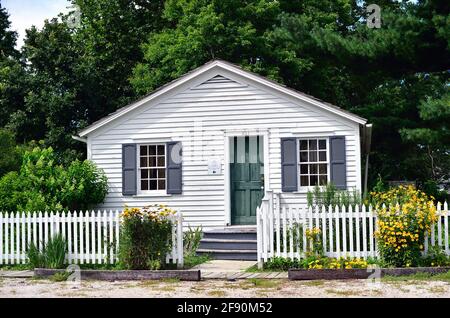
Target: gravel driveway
[28,287]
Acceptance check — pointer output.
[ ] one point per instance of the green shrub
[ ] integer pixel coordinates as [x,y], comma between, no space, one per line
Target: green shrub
[36,259]
[404,216]
[55,252]
[314,262]
[60,277]
[52,255]
[145,237]
[330,195]
[191,240]
[436,256]
[43,185]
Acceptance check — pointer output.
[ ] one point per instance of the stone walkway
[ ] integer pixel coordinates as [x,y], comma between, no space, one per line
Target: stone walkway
[230,270]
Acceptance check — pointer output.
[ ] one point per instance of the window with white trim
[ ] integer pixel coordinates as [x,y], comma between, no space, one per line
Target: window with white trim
[313,162]
[152,167]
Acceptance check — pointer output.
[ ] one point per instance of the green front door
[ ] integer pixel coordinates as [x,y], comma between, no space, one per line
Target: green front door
[247,178]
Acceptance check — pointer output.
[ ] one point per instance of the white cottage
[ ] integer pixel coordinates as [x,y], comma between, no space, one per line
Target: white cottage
[240,135]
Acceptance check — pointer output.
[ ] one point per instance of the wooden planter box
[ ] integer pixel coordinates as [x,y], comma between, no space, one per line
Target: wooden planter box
[356,273]
[112,275]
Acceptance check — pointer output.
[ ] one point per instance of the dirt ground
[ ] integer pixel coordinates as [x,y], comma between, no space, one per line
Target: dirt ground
[28,287]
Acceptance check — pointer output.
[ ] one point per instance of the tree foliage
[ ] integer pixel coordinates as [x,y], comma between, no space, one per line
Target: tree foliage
[396,76]
[41,184]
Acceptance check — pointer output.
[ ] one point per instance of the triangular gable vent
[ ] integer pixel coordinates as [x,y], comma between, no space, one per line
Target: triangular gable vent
[219,82]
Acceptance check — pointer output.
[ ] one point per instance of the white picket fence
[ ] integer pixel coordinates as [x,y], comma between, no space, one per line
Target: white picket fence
[92,236]
[345,232]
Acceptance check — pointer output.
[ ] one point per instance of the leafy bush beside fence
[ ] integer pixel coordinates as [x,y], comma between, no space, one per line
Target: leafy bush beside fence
[145,237]
[43,185]
[405,216]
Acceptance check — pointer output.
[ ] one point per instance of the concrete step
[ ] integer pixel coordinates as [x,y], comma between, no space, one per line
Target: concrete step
[248,255]
[229,235]
[228,244]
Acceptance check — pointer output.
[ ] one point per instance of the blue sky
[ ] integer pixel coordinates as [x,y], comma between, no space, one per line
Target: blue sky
[25,13]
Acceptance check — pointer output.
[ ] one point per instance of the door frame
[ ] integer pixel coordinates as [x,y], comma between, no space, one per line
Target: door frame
[243,133]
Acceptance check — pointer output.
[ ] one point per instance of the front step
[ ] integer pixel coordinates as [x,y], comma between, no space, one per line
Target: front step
[227,244]
[230,244]
[238,255]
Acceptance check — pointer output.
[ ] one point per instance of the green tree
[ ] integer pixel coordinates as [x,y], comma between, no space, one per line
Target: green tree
[12,73]
[201,30]
[9,153]
[325,49]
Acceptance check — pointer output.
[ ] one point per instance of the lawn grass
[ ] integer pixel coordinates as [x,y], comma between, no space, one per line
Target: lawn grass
[255,269]
[194,260]
[14,267]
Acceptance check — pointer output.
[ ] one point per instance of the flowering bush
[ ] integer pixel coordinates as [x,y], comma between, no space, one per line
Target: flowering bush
[314,240]
[405,215]
[337,263]
[145,237]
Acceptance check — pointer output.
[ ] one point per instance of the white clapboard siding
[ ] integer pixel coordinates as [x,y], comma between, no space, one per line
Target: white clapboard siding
[92,237]
[201,116]
[345,232]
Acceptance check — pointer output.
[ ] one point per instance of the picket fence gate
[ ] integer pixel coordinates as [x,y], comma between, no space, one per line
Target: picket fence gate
[92,236]
[345,232]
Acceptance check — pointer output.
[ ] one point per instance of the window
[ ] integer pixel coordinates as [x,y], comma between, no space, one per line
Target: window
[152,167]
[313,162]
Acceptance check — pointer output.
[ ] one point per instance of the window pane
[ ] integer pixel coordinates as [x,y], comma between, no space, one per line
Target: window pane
[323,169]
[304,181]
[304,169]
[313,169]
[161,150]
[322,144]
[152,150]
[161,184]
[144,185]
[312,180]
[322,156]
[161,162]
[144,174]
[144,162]
[152,161]
[303,156]
[322,180]
[153,185]
[303,145]
[143,150]
[312,156]
[312,144]
[153,173]
[161,173]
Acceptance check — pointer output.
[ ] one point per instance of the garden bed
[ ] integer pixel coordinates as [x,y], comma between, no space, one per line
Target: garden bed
[358,273]
[112,275]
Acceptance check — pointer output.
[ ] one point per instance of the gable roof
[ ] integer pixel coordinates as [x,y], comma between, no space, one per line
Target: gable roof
[220,64]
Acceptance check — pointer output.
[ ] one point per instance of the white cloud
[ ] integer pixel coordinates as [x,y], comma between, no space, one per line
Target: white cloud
[25,13]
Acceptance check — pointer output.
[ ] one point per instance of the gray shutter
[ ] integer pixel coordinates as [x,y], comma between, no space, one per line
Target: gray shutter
[129,171]
[174,168]
[337,162]
[289,164]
